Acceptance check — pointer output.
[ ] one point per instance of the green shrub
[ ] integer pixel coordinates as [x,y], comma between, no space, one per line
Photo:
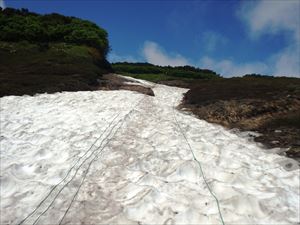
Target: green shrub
[165,72]
[22,25]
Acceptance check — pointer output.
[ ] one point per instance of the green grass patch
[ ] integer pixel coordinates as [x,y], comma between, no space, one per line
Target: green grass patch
[149,77]
[156,73]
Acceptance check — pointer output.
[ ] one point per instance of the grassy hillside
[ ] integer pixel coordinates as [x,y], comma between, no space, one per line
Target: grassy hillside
[247,87]
[49,53]
[147,71]
[268,105]
[30,68]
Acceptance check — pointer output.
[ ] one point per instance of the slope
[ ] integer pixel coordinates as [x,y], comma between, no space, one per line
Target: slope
[119,157]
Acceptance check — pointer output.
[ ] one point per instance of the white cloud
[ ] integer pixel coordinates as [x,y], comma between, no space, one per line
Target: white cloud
[154,54]
[287,62]
[228,68]
[211,40]
[263,17]
[2,4]
[269,16]
[113,57]
[272,17]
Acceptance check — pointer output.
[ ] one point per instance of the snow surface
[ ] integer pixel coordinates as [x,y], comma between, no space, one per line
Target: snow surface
[119,157]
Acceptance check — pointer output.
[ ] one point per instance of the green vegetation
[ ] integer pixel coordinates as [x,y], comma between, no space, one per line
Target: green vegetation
[255,75]
[155,73]
[21,25]
[28,68]
[50,53]
[148,76]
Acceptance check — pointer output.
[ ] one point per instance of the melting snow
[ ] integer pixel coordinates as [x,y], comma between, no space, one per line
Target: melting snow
[119,157]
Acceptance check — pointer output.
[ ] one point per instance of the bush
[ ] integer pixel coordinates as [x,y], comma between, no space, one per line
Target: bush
[22,25]
[187,72]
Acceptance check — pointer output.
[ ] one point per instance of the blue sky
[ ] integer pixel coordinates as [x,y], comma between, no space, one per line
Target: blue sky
[230,37]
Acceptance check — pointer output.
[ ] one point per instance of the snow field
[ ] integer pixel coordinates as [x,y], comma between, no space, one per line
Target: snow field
[140,169]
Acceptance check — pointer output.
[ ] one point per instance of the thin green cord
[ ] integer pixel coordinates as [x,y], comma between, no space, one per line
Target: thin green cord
[199,164]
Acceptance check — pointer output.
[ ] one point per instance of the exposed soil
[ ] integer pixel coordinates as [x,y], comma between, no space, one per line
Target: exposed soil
[269,106]
[115,82]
